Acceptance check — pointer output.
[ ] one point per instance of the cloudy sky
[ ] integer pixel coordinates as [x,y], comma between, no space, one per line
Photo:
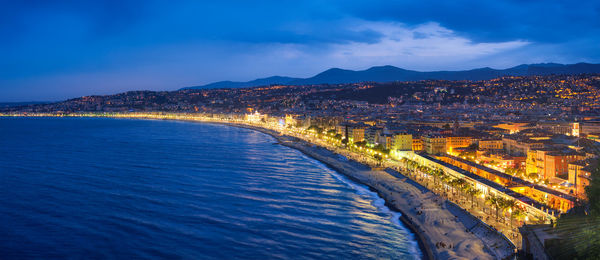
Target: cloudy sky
[53,50]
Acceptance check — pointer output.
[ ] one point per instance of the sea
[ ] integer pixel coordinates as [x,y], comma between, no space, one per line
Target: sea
[101,188]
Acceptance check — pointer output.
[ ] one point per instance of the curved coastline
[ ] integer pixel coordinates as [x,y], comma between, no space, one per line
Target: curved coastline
[427,253]
[454,230]
[406,197]
[434,231]
[200,190]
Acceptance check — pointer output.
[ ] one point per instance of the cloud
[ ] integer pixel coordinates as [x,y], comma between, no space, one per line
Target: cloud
[483,21]
[72,47]
[424,41]
[426,46]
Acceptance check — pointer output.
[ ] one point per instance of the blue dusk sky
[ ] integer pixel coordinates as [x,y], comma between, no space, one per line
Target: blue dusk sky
[54,50]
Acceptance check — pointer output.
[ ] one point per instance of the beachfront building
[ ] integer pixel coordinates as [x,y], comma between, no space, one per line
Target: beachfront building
[434,144]
[255,117]
[303,121]
[372,135]
[403,142]
[386,141]
[290,121]
[346,130]
[358,133]
[453,142]
[417,144]
[342,129]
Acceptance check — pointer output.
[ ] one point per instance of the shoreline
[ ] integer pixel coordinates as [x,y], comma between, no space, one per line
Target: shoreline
[300,145]
[459,232]
[427,253]
[435,226]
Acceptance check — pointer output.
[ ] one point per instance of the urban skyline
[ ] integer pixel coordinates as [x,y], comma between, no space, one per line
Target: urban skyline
[311,129]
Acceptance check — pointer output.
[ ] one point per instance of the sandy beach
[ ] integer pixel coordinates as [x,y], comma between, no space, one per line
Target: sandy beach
[443,230]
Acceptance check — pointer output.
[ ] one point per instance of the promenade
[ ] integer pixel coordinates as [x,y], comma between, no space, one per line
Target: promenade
[444,231]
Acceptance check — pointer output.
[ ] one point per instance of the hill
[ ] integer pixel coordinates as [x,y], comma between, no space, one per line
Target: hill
[257,82]
[391,73]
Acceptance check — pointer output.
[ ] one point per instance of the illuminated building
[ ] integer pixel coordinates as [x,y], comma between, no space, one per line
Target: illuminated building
[575,129]
[358,134]
[491,144]
[434,144]
[580,175]
[290,120]
[550,163]
[403,142]
[417,144]
[453,142]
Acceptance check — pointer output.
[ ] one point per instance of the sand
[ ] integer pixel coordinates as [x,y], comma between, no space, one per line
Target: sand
[444,230]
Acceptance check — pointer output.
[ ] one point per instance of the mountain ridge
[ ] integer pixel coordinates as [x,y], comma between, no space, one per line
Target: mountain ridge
[388,73]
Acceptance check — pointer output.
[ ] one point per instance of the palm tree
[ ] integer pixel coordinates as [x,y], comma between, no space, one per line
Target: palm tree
[423,169]
[462,185]
[511,205]
[473,192]
[432,172]
[503,206]
[405,161]
[442,178]
[456,185]
[476,194]
[493,201]
[416,169]
[446,179]
[436,173]
[450,184]
[518,214]
[426,171]
[411,164]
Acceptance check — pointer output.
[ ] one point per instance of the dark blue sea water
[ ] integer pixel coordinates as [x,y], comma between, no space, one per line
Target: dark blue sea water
[108,188]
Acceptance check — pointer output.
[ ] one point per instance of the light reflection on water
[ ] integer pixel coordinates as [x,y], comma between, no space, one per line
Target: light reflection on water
[103,187]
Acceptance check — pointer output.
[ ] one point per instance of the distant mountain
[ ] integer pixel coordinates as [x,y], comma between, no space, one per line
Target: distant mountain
[257,82]
[391,73]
